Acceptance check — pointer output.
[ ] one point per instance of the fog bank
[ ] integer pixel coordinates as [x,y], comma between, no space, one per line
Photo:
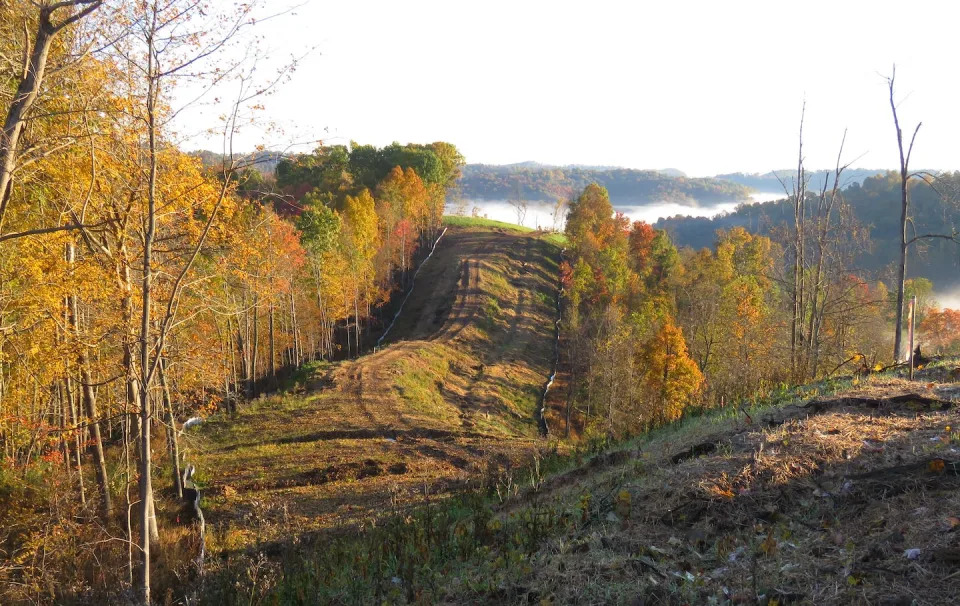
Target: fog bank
[540,214]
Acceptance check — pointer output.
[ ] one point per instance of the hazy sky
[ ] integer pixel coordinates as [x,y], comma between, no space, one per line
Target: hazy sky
[707,87]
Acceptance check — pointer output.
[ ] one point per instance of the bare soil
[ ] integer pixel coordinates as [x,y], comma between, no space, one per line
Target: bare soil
[448,399]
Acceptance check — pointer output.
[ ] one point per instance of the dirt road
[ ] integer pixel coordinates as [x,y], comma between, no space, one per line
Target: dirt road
[452,392]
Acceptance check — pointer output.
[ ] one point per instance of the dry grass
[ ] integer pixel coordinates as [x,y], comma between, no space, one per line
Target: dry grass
[788,506]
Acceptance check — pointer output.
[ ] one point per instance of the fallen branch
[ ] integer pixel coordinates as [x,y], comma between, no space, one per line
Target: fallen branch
[818,406]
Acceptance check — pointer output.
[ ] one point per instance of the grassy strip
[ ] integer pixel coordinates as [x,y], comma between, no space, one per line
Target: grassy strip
[557,239]
[457,221]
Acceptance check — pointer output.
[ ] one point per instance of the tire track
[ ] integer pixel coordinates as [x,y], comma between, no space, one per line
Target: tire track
[525,284]
[468,299]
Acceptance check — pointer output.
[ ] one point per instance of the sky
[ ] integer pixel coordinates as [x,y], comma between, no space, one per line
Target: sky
[706,87]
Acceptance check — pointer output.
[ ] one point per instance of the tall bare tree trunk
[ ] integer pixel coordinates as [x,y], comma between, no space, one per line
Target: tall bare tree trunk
[232,346]
[800,192]
[901,280]
[356,314]
[904,215]
[273,351]
[346,307]
[75,420]
[146,483]
[256,337]
[64,418]
[295,331]
[243,349]
[825,206]
[96,448]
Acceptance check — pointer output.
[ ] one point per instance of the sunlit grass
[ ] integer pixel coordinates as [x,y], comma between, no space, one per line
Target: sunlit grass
[557,239]
[455,221]
[420,379]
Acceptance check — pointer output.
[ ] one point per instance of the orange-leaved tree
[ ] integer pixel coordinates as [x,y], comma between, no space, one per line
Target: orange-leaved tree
[940,330]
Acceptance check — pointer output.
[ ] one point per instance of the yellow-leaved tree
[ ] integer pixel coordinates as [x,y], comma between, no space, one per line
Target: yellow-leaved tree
[670,378]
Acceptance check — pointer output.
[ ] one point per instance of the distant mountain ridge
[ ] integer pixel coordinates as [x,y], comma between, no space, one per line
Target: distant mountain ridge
[769,181]
[541,182]
[875,203]
[263,161]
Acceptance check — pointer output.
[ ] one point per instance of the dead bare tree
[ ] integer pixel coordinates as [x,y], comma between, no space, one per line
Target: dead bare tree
[905,177]
[559,212]
[519,205]
[825,205]
[797,191]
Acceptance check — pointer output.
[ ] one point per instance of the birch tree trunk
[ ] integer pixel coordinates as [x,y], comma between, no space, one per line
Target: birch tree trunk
[147,519]
[273,351]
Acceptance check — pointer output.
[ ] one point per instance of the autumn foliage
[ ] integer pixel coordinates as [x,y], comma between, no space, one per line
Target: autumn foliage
[940,330]
[249,276]
[631,365]
[671,378]
[658,331]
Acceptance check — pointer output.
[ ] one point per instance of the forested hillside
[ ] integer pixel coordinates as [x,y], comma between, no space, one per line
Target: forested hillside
[547,183]
[656,331]
[774,180]
[873,210]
